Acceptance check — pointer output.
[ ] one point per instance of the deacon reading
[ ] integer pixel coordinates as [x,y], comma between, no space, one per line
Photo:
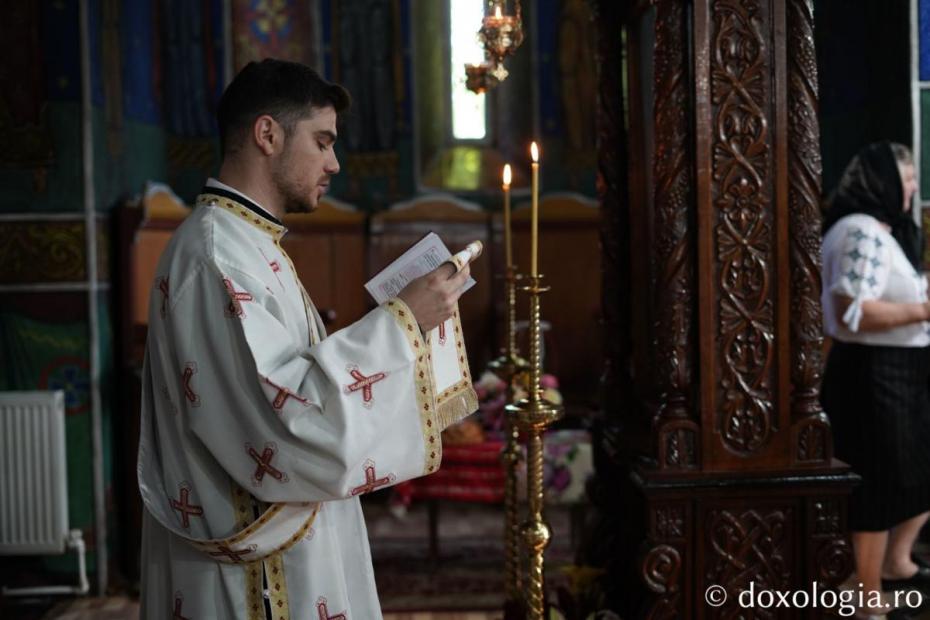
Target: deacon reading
[259,431]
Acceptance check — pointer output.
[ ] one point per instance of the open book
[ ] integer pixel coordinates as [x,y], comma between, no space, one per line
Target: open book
[423,257]
[451,376]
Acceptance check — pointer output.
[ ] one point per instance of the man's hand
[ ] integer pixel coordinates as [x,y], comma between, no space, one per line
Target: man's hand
[432,297]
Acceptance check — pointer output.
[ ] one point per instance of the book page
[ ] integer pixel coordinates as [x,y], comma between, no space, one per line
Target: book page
[423,257]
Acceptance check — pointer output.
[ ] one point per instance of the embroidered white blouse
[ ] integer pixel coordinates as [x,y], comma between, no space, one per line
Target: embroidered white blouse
[862,261]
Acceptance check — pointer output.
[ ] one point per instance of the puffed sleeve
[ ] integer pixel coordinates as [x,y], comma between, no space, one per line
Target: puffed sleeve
[864,263]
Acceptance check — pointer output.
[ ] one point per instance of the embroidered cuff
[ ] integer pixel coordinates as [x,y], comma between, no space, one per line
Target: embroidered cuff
[423,382]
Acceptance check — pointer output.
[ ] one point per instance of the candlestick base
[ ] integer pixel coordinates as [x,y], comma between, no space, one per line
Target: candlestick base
[508,366]
[535,414]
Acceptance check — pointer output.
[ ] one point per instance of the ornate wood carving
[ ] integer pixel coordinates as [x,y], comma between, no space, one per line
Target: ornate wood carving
[813,441]
[730,192]
[748,546]
[661,567]
[611,188]
[678,444]
[826,517]
[674,241]
[833,557]
[668,522]
[743,224]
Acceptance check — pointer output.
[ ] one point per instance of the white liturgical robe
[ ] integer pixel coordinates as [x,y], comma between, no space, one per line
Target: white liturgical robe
[259,434]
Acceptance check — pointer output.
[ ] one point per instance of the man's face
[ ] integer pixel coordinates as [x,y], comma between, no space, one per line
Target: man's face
[302,171]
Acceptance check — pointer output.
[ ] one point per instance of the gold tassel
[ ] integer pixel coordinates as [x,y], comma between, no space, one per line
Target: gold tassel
[457,407]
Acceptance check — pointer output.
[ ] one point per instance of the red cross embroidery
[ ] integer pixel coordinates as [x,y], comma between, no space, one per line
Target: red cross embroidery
[372,483]
[178,601]
[234,556]
[442,334]
[235,299]
[185,508]
[363,383]
[283,394]
[190,369]
[163,287]
[275,267]
[263,461]
[324,614]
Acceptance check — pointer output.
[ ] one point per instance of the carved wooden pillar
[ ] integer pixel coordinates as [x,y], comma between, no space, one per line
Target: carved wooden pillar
[735,481]
[678,442]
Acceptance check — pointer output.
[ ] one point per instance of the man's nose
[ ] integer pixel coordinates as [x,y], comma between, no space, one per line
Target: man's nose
[332,166]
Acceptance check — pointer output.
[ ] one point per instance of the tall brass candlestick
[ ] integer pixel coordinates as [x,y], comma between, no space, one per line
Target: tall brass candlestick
[507,367]
[534,227]
[534,414]
[507,241]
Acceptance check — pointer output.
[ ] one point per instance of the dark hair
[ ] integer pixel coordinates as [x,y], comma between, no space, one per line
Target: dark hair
[287,91]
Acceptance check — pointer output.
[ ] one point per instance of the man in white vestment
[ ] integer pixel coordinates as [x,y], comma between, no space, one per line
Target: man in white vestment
[259,433]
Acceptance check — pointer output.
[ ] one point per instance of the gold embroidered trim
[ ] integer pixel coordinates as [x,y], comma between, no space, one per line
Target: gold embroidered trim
[252,528]
[423,383]
[242,507]
[277,587]
[254,605]
[225,547]
[459,400]
[300,533]
[267,226]
[460,405]
[277,232]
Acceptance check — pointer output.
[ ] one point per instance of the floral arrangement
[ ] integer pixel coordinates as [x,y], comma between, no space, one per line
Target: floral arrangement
[492,398]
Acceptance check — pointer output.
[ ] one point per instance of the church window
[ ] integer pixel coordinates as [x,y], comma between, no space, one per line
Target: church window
[469,112]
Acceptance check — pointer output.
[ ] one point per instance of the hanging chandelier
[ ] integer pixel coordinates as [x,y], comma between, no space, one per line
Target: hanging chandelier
[501,35]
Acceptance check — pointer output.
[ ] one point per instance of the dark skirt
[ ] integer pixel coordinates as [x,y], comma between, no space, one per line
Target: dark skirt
[878,401]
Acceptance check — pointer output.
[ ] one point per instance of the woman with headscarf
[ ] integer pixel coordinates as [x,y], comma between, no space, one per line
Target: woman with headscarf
[875,386]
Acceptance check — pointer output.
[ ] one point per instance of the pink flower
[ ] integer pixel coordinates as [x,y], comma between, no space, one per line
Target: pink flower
[549,381]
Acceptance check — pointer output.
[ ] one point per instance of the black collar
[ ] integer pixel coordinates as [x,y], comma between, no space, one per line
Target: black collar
[245,202]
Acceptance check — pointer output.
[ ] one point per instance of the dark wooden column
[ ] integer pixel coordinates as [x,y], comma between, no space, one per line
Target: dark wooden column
[714,459]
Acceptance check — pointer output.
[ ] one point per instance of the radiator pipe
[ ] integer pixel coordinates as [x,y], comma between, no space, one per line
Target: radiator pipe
[76,542]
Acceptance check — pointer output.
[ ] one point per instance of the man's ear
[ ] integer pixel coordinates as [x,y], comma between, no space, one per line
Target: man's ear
[267,134]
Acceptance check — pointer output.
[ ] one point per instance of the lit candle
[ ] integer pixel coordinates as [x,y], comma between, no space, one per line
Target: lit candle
[534,230]
[506,187]
[497,11]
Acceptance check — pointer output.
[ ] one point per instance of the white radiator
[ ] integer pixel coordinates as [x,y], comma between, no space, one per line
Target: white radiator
[33,481]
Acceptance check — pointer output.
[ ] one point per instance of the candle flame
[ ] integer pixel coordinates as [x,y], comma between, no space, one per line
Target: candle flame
[507,175]
[534,151]
[497,11]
